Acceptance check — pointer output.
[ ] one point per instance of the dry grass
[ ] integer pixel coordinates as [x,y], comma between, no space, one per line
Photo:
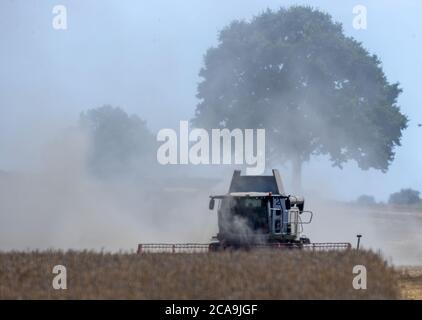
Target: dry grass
[228,275]
[411,282]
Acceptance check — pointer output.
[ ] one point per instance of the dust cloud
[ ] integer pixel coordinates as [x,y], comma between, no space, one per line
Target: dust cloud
[394,232]
[61,205]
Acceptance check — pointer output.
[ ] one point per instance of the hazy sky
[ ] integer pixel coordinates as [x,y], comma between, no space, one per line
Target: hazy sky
[145,56]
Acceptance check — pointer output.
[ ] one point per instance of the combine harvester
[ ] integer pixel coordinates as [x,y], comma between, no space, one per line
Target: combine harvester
[256,213]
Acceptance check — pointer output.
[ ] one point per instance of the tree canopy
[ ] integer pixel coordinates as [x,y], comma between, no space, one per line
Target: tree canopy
[366,200]
[120,143]
[405,197]
[314,90]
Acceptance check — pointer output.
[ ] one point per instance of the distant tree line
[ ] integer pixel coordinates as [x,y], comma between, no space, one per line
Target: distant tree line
[404,197]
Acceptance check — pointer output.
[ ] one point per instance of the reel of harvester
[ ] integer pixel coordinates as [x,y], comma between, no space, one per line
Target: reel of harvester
[144,248]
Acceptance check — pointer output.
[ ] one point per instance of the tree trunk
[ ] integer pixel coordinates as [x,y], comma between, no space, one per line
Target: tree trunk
[297,174]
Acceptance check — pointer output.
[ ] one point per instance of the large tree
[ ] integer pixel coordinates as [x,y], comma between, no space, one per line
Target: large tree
[314,90]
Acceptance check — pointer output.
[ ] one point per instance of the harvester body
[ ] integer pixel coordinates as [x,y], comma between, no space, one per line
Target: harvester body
[256,211]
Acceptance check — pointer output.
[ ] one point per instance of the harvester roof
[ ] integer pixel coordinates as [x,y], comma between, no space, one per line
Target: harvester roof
[256,184]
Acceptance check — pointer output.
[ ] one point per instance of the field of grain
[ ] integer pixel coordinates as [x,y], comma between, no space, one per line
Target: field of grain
[227,275]
[411,282]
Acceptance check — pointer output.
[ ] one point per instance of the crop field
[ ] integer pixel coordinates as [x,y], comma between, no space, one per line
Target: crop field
[411,282]
[226,275]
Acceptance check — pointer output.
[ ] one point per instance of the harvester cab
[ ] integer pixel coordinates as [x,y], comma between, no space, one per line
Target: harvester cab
[256,211]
